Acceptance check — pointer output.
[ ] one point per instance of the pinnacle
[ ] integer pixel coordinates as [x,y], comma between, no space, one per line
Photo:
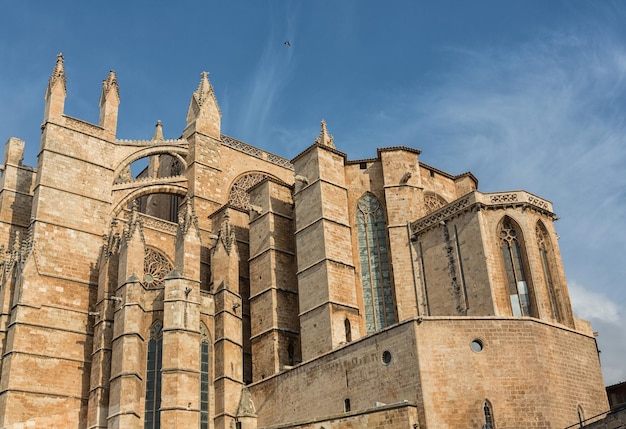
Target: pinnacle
[58,74]
[204,88]
[325,138]
[158,132]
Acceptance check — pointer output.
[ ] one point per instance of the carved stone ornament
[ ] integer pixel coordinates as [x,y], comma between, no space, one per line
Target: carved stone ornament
[325,138]
[155,268]
[187,217]
[239,197]
[227,233]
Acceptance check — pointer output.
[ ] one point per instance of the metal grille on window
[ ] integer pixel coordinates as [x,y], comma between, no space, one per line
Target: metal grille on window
[152,418]
[204,378]
[155,268]
[375,268]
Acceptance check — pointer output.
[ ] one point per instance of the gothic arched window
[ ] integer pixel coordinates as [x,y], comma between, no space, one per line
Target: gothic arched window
[547,258]
[488,412]
[204,377]
[375,267]
[511,245]
[152,419]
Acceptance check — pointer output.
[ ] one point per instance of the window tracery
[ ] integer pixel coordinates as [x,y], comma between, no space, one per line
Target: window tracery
[375,267]
[514,268]
[433,202]
[238,196]
[155,268]
[545,252]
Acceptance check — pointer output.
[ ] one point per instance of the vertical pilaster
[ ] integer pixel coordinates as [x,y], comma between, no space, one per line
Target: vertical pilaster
[228,327]
[128,354]
[326,272]
[273,281]
[180,405]
[102,319]
[404,199]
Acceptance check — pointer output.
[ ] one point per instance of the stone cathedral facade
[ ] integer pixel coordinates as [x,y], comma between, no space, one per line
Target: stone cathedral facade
[204,283]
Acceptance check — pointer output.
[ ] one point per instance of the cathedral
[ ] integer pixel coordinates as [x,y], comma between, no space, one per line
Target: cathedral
[201,282]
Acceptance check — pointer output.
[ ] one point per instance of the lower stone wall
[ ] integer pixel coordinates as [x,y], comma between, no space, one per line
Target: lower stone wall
[355,372]
[531,373]
[395,416]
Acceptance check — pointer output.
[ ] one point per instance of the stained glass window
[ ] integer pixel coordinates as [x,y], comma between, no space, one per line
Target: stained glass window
[152,418]
[375,267]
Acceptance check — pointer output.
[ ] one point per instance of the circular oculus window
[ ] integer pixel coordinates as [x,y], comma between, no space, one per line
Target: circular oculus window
[477,345]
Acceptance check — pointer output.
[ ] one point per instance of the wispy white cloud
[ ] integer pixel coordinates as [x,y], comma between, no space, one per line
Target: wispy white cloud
[269,78]
[546,116]
[593,306]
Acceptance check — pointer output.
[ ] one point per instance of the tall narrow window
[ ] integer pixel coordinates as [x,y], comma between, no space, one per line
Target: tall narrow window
[581,415]
[514,267]
[375,268]
[348,328]
[204,378]
[488,411]
[152,419]
[545,252]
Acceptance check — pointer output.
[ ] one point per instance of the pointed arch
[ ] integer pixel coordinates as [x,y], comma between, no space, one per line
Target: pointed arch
[348,329]
[375,267]
[152,417]
[488,414]
[433,201]
[580,414]
[515,267]
[550,276]
[205,347]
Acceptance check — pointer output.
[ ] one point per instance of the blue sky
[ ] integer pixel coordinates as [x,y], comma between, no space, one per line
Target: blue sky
[525,94]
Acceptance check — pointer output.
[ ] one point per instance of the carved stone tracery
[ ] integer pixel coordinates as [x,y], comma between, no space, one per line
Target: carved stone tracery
[433,202]
[238,197]
[155,268]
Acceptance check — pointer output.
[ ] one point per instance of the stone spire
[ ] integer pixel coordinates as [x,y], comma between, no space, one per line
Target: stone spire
[56,92]
[204,114]
[325,138]
[109,84]
[158,132]
[58,76]
[109,103]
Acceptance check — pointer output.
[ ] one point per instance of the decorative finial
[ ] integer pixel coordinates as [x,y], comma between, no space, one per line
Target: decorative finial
[110,84]
[325,138]
[204,88]
[158,132]
[58,74]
